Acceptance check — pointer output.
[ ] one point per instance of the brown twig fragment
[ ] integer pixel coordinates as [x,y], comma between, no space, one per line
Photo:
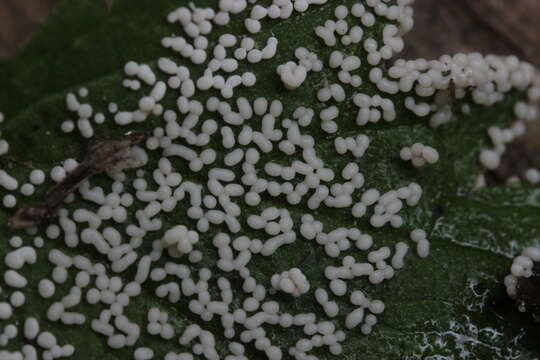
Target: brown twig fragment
[105,154]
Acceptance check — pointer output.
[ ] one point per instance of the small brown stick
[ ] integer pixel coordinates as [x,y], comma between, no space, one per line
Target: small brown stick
[105,154]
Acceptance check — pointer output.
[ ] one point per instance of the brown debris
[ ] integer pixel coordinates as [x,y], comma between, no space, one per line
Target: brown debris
[105,154]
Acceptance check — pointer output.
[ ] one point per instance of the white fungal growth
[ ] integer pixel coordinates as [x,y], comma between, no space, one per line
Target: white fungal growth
[532,176]
[5,311]
[419,236]
[491,158]
[4,145]
[357,146]
[308,59]
[292,75]
[328,116]
[143,353]
[293,282]
[7,181]
[419,155]
[401,250]
[158,324]
[331,308]
[83,112]
[347,65]
[522,267]
[16,259]
[14,279]
[337,240]
[419,109]
[373,109]
[359,315]
[180,240]
[333,91]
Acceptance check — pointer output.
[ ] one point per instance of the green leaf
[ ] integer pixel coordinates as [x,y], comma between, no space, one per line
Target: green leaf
[445,306]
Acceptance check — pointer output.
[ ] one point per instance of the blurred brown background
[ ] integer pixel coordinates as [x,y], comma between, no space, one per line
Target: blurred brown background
[441,26]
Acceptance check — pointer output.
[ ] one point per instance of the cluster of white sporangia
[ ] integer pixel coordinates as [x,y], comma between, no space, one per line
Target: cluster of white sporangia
[4,145]
[293,74]
[531,176]
[228,137]
[419,154]
[292,282]
[522,267]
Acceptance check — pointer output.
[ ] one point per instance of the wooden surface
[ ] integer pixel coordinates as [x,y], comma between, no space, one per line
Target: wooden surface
[18,18]
[441,26]
[487,26]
